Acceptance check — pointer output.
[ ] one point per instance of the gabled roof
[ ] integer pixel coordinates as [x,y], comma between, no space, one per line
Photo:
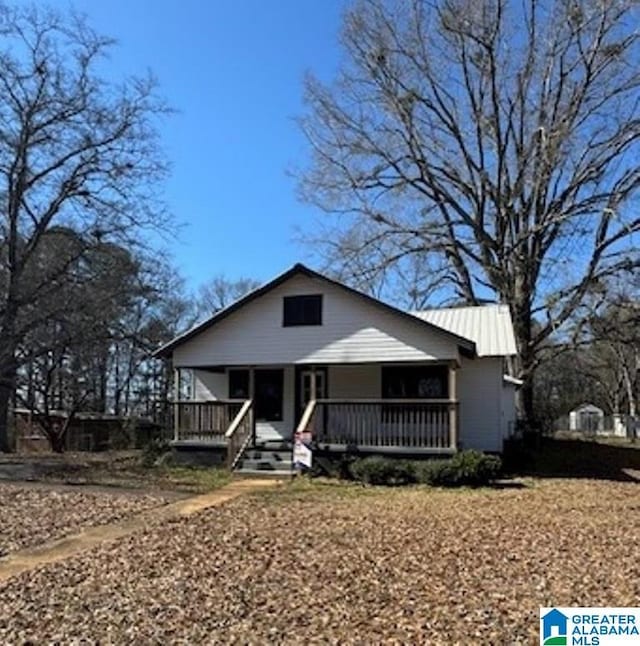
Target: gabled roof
[587,407]
[489,326]
[466,345]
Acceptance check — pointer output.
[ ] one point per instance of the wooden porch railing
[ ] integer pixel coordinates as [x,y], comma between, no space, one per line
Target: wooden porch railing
[383,423]
[205,421]
[239,433]
[226,423]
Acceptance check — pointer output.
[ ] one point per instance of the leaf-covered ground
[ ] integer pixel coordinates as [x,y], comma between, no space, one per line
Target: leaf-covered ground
[31,515]
[341,564]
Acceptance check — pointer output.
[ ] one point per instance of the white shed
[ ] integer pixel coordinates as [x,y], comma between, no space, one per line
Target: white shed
[587,418]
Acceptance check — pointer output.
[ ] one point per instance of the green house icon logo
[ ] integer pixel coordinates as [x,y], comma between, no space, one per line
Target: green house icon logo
[554,628]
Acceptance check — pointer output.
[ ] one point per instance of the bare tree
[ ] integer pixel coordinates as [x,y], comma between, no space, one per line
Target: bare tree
[59,385]
[496,140]
[220,291]
[64,354]
[161,309]
[77,152]
[613,357]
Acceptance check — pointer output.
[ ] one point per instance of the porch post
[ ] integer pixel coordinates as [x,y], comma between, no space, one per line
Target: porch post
[453,409]
[312,383]
[252,396]
[176,399]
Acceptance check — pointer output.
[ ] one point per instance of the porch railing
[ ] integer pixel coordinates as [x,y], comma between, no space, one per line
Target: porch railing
[205,421]
[239,433]
[383,423]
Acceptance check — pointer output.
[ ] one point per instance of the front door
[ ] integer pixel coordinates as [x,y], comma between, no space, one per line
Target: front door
[268,394]
[304,387]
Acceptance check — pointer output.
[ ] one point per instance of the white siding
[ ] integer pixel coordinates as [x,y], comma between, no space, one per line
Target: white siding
[480,393]
[209,385]
[353,331]
[357,382]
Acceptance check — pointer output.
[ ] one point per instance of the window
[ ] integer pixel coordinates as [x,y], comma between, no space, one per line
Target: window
[415,382]
[302,310]
[238,384]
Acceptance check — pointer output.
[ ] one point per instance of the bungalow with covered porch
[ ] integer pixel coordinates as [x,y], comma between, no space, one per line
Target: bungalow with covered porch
[306,353]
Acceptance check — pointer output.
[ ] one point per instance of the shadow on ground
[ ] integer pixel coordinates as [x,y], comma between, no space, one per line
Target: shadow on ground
[573,458]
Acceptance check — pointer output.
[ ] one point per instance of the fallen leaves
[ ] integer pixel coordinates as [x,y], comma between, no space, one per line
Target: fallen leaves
[403,566]
[31,515]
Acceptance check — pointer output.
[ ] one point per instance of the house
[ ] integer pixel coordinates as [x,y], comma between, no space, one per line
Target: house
[306,353]
[87,431]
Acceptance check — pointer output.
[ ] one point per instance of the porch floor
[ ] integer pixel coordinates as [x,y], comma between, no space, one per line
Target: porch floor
[384,450]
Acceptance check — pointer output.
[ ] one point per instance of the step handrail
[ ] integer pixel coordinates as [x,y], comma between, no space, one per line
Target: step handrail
[304,425]
[239,433]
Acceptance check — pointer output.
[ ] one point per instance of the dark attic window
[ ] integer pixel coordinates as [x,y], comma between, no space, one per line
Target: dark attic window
[302,310]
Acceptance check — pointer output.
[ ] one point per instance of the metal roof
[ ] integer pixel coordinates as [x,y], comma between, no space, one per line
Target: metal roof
[489,326]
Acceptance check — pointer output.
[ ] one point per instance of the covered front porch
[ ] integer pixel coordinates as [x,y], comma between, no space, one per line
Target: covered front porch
[378,408]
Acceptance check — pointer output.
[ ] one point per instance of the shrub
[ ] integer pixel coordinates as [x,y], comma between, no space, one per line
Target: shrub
[434,472]
[377,470]
[467,468]
[332,466]
[154,450]
[471,468]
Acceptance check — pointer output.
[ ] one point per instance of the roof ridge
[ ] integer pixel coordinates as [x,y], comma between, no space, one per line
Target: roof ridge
[299,268]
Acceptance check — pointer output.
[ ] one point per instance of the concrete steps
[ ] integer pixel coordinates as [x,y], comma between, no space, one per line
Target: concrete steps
[272,458]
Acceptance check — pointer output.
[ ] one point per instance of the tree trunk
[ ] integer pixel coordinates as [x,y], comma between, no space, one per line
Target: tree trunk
[56,433]
[6,392]
[628,384]
[526,360]
[524,402]
[57,442]
[7,389]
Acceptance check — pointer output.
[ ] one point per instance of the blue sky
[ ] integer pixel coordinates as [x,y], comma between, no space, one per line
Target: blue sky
[233,69]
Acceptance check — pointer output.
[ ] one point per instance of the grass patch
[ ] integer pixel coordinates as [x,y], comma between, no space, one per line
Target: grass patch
[197,479]
[304,488]
[118,469]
